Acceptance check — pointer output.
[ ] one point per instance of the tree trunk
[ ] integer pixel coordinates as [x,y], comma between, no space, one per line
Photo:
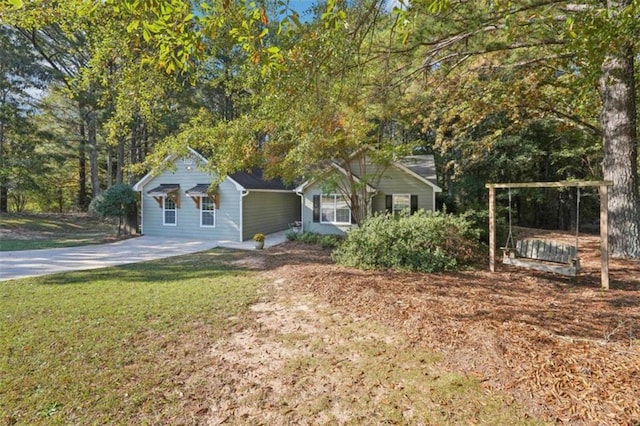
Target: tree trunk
[620,164]
[130,225]
[83,199]
[109,166]
[4,191]
[92,138]
[4,198]
[120,161]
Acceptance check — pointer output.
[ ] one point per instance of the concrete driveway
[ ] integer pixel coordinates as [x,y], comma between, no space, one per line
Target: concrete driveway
[30,263]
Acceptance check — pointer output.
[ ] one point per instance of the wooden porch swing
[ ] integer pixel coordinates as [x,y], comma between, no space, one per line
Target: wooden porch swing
[543,255]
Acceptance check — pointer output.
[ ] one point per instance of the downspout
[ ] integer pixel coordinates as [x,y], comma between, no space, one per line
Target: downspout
[243,193]
[141,212]
[301,195]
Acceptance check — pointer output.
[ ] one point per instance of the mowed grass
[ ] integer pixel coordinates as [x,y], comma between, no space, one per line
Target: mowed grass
[118,345]
[37,231]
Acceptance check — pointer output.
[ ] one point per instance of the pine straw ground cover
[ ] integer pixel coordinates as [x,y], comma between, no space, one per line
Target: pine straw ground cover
[567,350]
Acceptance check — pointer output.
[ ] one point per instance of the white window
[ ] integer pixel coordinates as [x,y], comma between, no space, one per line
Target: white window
[169,212]
[334,209]
[207,212]
[401,202]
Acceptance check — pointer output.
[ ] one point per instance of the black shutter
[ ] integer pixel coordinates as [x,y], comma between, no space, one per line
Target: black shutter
[316,208]
[414,204]
[388,203]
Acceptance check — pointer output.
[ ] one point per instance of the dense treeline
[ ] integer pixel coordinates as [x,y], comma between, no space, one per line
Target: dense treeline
[95,93]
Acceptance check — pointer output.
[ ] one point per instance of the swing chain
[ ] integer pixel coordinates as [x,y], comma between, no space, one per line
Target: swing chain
[509,245]
[577,218]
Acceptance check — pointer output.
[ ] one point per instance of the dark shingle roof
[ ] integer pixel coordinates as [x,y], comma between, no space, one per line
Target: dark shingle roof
[422,165]
[200,189]
[255,180]
[165,188]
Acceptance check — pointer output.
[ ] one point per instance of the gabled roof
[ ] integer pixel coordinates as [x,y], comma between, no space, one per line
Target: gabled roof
[252,180]
[169,158]
[422,167]
[338,167]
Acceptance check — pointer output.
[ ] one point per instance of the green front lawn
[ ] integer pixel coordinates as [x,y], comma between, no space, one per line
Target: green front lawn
[115,345]
[37,231]
[174,342]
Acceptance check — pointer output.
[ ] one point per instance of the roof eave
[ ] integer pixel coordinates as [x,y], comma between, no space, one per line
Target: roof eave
[407,170]
[138,186]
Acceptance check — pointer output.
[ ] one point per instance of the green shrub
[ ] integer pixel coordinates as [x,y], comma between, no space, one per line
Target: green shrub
[427,242]
[326,241]
[117,201]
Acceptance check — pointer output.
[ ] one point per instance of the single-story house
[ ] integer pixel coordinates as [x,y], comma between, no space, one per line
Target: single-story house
[181,202]
[409,183]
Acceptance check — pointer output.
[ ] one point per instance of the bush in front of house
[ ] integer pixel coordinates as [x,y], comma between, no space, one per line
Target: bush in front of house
[326,241]
[424,241]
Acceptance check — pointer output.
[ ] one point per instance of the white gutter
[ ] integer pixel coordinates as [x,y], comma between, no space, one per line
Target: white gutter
[301,195]
[141,212]
[243,193]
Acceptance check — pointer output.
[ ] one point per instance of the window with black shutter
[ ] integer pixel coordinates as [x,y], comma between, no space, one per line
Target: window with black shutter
[316,208]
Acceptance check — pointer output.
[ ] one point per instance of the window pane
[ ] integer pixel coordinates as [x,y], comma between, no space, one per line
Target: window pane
[208,218]
[207,203]
[169,204]
[328,201]
[334,209]
[170,216]
[343,216]
[401,202]
[328,214]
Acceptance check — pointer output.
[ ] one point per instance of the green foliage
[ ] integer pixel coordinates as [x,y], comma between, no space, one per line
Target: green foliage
[425,241]
[117,201]
[325,241]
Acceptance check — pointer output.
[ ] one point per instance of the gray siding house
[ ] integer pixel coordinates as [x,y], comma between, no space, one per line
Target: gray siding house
[181,202]
[409,183]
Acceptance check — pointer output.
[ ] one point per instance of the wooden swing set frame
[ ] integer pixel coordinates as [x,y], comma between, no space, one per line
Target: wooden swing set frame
[603,190]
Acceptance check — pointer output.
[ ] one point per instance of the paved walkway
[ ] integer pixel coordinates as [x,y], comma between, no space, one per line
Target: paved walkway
[31,263]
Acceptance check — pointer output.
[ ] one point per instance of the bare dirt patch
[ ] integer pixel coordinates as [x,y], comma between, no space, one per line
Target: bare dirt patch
[566,349]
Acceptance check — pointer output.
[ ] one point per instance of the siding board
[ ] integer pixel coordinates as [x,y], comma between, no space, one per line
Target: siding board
[269,212]
[188,215]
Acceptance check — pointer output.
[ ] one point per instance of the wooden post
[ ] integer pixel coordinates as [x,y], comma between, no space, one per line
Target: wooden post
[604,236]
[492,228]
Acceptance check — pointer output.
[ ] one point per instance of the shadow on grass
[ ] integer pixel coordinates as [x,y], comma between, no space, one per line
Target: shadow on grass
[210,264]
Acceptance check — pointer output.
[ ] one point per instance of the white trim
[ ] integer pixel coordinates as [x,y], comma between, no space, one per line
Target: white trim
[152,174]
[141,213]
[164,210]
[302,199]
[238,186]
[243,194]
[338,167]
[335,210]
[201,210]
[407,170]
